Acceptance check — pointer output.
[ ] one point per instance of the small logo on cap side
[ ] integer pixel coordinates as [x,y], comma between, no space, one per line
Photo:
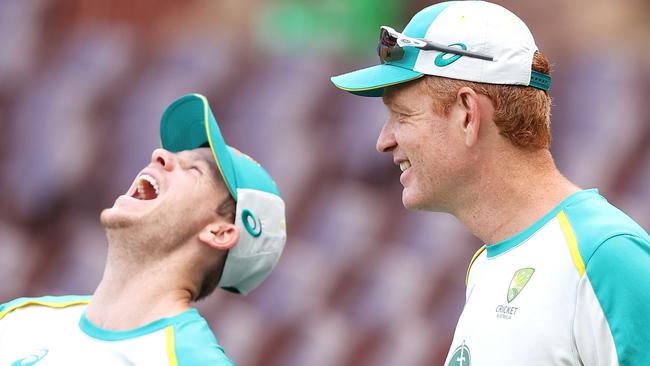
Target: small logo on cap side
[441,61]
[254,228]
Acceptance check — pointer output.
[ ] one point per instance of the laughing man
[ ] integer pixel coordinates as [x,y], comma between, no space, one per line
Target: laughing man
[200,215]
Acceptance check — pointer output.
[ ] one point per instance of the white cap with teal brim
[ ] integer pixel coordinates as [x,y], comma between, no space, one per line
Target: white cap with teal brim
[188,123]
[477,27]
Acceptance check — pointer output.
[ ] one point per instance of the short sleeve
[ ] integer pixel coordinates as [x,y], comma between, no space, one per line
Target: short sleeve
[613,305]
[196,346]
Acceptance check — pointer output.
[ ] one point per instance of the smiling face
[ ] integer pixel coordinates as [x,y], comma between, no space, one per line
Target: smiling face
[170,201]
[426,145]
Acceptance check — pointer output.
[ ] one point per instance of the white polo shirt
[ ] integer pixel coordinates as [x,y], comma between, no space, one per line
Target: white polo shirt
[572,289]
[54,331]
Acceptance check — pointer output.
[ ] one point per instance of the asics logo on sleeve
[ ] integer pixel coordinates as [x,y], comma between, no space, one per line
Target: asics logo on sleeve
[31,359]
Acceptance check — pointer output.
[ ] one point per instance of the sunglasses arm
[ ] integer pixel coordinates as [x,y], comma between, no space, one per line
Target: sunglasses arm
[430,46]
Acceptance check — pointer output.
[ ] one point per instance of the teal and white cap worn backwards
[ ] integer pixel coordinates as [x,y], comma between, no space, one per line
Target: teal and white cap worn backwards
[188,123]
[498,49]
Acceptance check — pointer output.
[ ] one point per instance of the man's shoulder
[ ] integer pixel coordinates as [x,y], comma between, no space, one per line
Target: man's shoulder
[616,277]
[53,302]
[195,344]
[596,222]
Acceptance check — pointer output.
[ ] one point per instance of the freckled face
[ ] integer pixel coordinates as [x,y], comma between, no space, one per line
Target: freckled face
[423,145]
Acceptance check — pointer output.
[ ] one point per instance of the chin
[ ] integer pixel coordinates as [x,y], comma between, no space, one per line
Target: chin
[113,218]
[420,202]
[410,201]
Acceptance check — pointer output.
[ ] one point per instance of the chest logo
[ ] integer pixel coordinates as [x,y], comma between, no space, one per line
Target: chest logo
[460,357]
[518,282]
[31,359]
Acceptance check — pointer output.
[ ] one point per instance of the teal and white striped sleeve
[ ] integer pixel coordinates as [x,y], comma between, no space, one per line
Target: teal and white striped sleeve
[612,314]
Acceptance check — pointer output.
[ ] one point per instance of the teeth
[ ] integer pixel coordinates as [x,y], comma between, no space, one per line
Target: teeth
[404,165]
[151,181]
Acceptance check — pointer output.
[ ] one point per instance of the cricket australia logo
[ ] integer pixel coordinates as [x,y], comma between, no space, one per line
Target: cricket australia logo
[519,281]
[461,356]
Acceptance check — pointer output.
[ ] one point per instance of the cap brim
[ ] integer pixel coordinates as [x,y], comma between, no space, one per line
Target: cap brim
[371,81]
[188,123]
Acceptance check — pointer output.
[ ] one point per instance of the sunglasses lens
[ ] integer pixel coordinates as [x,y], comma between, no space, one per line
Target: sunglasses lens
[387,39]
[389,53]
[387,49]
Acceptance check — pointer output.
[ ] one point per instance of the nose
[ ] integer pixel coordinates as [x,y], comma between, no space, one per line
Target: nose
[386,141]
[164,158]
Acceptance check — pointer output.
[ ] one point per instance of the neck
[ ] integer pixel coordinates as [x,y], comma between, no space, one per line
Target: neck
[512,193]
[131,295]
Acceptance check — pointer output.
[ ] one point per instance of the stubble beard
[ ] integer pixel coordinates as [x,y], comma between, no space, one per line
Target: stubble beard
[429,194]
[144,239]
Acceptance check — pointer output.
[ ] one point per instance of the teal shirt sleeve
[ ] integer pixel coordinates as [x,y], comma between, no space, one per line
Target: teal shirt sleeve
[619,272]
[195,345]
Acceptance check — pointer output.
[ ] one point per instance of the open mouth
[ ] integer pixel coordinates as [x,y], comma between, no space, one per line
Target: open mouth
[404,165]
[147,188]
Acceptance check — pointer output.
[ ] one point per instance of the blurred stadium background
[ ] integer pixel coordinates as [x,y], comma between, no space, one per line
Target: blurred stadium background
[362,280]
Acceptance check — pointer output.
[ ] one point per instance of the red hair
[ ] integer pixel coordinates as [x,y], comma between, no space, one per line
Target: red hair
[522,113]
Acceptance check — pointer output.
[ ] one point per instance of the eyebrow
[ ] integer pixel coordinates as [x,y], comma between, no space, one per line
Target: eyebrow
[395,105]
[213,168]
[194,158]
[211,165]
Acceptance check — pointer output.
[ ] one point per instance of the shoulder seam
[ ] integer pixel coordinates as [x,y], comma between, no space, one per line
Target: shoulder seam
[585,198]
[602,241]
[49,304]
[577,256]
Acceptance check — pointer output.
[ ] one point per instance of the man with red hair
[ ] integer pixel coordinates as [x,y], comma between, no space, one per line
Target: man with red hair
[564,276]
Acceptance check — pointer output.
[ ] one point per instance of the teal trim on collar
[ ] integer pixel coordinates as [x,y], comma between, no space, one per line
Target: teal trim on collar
[120,335]
[501,247]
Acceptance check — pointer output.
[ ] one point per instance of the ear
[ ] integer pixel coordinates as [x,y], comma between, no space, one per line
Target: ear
[469,102]
[220,235]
